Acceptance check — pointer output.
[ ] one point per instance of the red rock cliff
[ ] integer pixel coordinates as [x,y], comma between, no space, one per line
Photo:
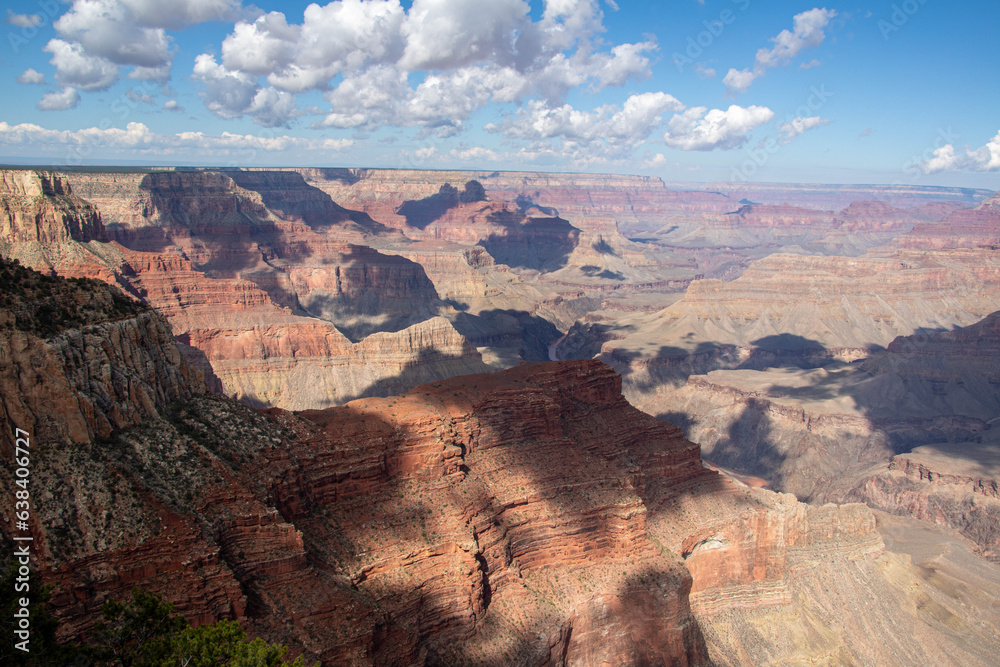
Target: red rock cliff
[40,206]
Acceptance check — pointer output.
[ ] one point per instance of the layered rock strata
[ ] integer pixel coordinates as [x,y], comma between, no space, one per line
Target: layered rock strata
[910,430]
[249,293]
[80,360]
[380,192]
[523,517]
[796,310]
[950,484]
[564,226]
[965,228]
[41,207]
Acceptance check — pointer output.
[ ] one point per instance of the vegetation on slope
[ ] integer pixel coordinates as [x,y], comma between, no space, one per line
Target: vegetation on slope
[47,305]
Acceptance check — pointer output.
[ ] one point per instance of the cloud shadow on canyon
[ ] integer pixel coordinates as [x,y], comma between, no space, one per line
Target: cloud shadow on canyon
[750,442]
[296,199]
[420,213]
[505,328]
[418,371]
[515,460]
[899,394]
[748,445]
[537,244]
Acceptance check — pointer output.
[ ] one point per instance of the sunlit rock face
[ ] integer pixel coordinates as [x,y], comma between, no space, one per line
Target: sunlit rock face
[965,228]
[39,206]
[268,288]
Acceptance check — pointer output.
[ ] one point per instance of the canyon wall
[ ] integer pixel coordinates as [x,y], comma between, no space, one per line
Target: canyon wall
[529,516]
[963,228]
[909,430]
[792,310]
[573,196]
[41,207]
[272,310]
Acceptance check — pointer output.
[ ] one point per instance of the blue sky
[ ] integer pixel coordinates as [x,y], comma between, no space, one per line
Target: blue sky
[881,92]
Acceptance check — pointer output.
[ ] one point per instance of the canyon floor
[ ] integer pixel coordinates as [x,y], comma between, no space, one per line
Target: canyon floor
[320,401]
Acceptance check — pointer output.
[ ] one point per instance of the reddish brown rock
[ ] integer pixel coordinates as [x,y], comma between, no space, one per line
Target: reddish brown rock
[873,216]
[38,206]
[949,484]
[524,517]
[380,192]
[234,270]
[966,228]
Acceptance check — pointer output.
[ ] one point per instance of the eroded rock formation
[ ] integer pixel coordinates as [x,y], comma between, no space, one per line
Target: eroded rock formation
[529,516]
[38,206]
[909,430]
[275,306]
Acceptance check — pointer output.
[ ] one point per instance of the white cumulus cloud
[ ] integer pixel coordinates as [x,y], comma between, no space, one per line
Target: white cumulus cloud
[474,154]
[77,68]
[67,98]
[178,14]
[261,47]
[699,129]
[30,76]
[654,161]
[947,158]
[139,136]
[454,33]
[439,60]
[793,128]
[231,94]
[97,37]
[23,20]
[107,29]
[609,131]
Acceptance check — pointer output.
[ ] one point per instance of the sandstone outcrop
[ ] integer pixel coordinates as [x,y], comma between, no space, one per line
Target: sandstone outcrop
[530,516]
[436,528]
[244,224]
[875,216]
[273,305]
[951,484]
[81,360]
[724,243]
[200,200]
[964,228]
[565,226]
[40,206]
[267,356]
[379,192]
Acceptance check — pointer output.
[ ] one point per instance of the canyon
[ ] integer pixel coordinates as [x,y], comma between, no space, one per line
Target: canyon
[314,400]
[528,516]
